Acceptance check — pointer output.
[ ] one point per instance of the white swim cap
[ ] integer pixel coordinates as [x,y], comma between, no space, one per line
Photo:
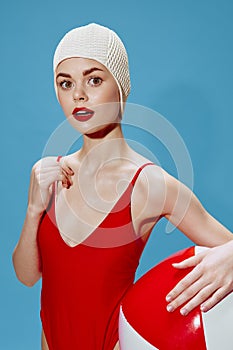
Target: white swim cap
[99,43]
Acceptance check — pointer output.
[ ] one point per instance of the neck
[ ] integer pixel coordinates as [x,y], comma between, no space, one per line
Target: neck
[102,147]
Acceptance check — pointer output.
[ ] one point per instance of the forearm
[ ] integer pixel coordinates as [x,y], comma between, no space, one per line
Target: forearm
[206,231]
[216,233]
[26,256]
[26,259]
[211,278]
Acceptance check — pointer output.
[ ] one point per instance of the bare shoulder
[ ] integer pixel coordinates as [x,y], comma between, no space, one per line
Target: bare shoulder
[151,189]
[152,178]
[157,175]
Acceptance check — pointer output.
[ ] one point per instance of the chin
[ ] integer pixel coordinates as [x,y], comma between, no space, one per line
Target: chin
[101,131]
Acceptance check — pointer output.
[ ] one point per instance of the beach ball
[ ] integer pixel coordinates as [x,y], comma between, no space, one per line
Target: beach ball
[145,324]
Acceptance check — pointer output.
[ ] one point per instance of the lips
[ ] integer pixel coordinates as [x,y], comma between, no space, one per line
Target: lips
[82,114]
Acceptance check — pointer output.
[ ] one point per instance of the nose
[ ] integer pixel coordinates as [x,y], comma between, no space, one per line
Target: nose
[79,94]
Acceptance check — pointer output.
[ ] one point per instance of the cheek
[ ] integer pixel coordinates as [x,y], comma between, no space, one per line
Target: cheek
[108,106]
[64,101]
[113,95]
[108,94]
[106,112]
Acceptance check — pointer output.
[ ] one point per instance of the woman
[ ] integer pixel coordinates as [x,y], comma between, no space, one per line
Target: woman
[86,245]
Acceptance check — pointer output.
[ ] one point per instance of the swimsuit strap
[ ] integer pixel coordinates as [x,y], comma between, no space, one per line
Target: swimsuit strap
[138,172]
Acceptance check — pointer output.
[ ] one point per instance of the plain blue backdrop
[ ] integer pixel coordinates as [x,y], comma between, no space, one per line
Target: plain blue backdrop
[180,55]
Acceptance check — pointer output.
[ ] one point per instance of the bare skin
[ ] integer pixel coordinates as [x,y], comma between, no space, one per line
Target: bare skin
[44,345]
[93,177]
[211,271]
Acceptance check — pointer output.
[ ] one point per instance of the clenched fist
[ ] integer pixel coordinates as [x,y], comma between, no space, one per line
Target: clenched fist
[44,173]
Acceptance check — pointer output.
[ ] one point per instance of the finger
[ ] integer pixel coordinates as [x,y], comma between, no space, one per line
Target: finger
[68,170]
[40,171]
[190,262]
[68,173]
[67,177]
[65,181]
[46,178]
[183,284]
[66,167]
[197,299]
[186,295]
[214,299]
[45,181]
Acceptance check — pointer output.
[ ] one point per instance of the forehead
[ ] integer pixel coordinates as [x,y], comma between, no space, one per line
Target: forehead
[78,65]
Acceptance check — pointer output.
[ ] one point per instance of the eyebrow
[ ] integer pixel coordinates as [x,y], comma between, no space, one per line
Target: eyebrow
[89,71]
[85,72]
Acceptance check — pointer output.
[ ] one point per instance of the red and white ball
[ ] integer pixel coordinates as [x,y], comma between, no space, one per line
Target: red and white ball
[145,324]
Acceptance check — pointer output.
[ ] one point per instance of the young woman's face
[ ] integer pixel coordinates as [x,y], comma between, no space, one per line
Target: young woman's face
[88,94]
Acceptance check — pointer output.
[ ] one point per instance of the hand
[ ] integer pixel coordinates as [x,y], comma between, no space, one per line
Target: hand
[43,174]
[209,282]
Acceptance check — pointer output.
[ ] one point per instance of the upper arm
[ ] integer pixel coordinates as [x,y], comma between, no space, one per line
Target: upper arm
[148,199]
[162,195]
[179,201]
[185,211]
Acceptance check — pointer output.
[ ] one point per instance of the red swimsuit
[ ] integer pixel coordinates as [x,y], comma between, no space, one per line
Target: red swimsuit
[82,286]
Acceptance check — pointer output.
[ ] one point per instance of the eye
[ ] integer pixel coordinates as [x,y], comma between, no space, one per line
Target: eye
[95,81]
[66,84]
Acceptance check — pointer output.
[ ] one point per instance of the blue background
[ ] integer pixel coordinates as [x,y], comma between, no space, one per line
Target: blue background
[180,55]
